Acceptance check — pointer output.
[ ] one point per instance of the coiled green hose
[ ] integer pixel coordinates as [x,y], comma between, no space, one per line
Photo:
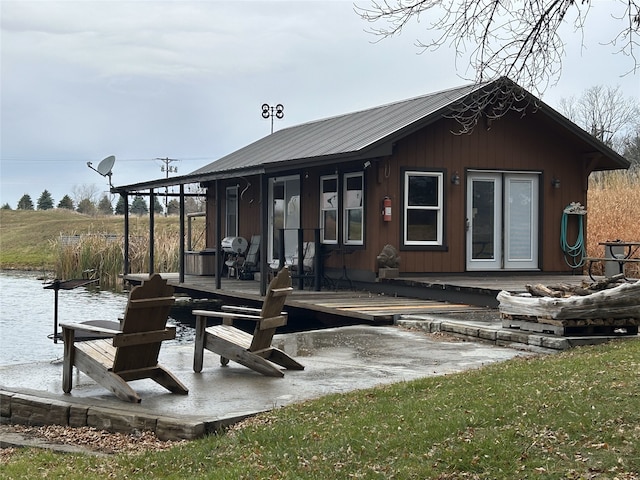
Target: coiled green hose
[575,254]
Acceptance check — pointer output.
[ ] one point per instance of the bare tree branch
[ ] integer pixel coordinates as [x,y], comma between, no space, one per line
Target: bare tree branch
[498,38]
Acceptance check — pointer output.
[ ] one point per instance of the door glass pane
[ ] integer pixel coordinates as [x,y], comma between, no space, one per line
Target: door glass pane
[520,222]
[278,216]
[483,226]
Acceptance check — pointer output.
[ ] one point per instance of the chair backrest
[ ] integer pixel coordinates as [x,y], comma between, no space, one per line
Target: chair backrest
[147,311]
[272,307]
[253,253]
[309,254]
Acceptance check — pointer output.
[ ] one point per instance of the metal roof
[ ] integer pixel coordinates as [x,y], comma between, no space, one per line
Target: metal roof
[352,133]
[361,134]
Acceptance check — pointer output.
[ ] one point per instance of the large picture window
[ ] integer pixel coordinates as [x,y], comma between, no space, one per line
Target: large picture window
[329,209]
[353,209]
[423,208]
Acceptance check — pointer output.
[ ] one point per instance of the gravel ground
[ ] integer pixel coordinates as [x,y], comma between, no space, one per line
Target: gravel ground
[87,439]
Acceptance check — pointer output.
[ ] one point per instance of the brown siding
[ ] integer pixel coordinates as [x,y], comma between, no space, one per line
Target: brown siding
[513,143]
[529,143]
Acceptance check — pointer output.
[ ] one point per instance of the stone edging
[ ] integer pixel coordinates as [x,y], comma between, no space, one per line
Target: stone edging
[30,409]
[498,336]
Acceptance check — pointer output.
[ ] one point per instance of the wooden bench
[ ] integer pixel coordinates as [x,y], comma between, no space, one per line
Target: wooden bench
[620,260]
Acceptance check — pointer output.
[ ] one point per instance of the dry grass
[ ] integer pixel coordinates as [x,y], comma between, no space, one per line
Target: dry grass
[613,213]
[102,256]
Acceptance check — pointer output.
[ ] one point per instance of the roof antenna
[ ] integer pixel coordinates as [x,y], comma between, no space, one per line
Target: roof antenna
[269,111]
[104,167]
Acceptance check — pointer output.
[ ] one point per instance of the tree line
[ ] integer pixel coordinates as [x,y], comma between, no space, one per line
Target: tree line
[104,205]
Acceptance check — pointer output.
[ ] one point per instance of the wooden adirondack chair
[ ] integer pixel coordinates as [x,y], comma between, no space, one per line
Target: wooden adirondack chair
[132,353]
[252,351]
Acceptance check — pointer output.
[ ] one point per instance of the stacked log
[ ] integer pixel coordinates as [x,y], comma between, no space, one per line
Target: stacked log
[611,302]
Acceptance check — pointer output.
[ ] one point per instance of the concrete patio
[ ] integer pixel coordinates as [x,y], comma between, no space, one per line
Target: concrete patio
[336,360]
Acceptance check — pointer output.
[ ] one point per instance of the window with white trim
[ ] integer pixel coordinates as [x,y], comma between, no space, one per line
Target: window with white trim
[231,214]
[353,209]
[423,208]
[329,209]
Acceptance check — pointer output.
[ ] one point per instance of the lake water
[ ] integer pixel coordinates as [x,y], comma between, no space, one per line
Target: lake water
[27,312]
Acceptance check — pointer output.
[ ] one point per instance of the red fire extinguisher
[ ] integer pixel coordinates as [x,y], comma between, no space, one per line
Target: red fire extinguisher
[386,212]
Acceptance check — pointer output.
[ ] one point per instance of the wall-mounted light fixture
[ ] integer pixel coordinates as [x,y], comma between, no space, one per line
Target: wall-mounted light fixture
[555,182]
[367,164]
[455,178]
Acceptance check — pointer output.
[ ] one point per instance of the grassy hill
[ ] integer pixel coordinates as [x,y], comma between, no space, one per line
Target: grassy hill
[29,240]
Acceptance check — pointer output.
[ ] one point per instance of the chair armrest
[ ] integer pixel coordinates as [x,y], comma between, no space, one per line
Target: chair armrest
[279,292]
[234,316]
[90,328]
[246,310]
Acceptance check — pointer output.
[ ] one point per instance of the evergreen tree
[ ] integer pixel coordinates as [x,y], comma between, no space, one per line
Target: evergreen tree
[173,207]
[6,206]
[157,206]
[139,206]
[66,202]
[104,206]
[25,203]
[87,207]
[45,202]
[120,206]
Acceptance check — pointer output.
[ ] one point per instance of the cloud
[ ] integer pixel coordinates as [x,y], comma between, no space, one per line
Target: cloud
[185,79]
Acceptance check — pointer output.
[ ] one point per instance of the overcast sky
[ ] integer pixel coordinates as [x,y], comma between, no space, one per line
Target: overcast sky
[81,80]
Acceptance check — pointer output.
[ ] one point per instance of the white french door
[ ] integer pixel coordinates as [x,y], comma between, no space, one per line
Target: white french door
[502,221]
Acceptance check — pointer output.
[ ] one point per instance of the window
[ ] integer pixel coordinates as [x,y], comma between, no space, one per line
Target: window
[423,208]
[329,209]
[353,209]
[231,222]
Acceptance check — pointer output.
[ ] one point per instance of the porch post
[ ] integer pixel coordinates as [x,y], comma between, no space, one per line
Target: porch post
[125,201]
[152,202]
[317,266]
[264,229]
[181,261]
[300,258]
[216,234]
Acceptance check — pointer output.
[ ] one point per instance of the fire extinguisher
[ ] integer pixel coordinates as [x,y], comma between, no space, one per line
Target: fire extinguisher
[386,212]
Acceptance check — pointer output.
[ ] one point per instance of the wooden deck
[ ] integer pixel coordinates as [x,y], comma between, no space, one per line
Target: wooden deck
[376,303]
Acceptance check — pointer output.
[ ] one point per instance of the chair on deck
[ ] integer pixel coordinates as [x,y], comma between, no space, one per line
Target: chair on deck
[251,262]
[132,352]
[252,351]
[290,259]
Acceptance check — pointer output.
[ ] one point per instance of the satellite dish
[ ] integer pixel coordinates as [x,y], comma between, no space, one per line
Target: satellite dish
[105,166]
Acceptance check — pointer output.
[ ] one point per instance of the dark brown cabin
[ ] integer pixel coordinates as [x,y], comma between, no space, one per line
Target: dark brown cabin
[487,201]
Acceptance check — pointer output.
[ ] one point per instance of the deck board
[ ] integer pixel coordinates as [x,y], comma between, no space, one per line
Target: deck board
[367,306]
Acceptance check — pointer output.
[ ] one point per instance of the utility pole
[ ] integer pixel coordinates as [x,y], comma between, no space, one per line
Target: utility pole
[167,168]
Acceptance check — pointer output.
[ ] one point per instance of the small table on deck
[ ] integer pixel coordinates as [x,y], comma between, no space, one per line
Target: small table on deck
[630,249]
